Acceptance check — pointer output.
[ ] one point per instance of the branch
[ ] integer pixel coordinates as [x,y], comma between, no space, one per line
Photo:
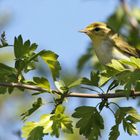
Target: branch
[72,94]
[103,96]
[132,20]
[20,85]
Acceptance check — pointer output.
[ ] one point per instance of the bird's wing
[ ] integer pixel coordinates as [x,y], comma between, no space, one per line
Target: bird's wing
[124,46]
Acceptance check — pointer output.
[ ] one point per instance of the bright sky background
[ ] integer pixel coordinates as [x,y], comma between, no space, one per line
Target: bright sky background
[54,25]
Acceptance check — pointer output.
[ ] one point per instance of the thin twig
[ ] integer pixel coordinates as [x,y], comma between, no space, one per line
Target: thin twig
[25,86]
[102,96]
[72,94]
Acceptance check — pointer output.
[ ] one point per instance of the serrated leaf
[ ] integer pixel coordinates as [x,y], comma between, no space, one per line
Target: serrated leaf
[130,128]
[42,82]
[36,105]
[114,133]
[129,116]
[90,123]
[18,49]
[23,49]
[25,55]
[51,60]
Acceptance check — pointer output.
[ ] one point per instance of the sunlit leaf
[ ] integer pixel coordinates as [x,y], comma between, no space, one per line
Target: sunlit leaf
[42,82]
[51,60]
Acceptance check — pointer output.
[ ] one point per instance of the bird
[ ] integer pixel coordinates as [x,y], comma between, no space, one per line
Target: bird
[109,45]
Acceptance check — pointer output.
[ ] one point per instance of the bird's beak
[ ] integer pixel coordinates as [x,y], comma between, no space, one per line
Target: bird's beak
[83,31]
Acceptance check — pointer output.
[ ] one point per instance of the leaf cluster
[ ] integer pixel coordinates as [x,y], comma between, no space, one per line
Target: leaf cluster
[128,116]
[48,124]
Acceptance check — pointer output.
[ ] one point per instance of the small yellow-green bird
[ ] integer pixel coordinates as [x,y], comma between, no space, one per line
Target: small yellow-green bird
[109,45]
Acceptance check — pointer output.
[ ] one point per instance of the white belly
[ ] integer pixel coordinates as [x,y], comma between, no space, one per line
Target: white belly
[106,53]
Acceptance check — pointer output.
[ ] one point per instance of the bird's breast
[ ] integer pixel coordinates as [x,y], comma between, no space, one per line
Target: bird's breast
[105,52]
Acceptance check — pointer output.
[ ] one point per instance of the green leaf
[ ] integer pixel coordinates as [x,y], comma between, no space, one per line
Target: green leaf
[6,70]
[90,123]
[93,81]
[94,77]
[136,61]
[50,124]
[61,121]
[79,81]
[23,49]
[137,87]
[115,64]
[44,122]
[18,47]
[36,134]
[130,128]
[128,63]
[3,90]
[36,105]
[7,74]
[114,133]
[42,82]
[129,116]
[24,53]
[51,60]
[103,80]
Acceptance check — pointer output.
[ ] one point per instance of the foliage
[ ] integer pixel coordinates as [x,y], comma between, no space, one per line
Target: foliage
[119,72]
[48,124]
[90,123]
[128,116]
[124,73]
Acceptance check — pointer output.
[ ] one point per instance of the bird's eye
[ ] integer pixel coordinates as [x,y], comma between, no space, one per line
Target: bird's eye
[97,29]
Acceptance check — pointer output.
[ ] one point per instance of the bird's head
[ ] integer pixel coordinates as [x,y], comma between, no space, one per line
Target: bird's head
[97,31]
